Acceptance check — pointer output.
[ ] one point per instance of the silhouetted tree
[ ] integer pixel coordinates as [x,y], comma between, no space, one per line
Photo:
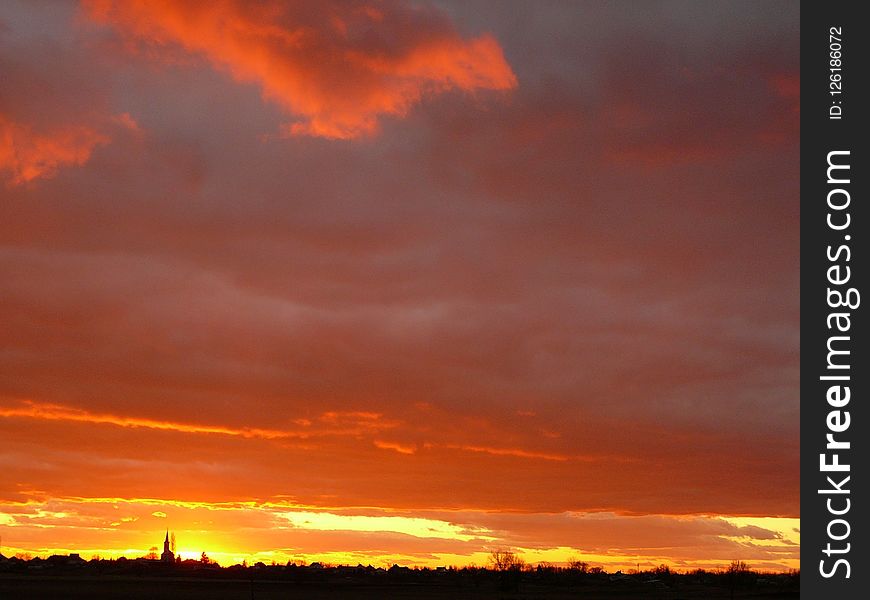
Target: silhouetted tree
[505,560]
[664,573]
[578,565]
[739,575]
[737,566]
[509,567]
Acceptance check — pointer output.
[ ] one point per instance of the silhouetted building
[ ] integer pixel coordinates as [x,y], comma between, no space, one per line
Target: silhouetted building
[167,555]
[63,560]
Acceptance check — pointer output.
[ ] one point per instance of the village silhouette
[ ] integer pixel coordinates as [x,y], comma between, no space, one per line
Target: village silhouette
[506,575]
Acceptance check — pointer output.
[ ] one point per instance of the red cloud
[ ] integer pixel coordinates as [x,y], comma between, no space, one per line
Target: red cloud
[338,66]
[29,155]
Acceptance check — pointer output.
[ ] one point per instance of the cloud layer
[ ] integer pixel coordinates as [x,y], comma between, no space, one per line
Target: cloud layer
[337,66]
[350,536]
[576,296]
[27,155]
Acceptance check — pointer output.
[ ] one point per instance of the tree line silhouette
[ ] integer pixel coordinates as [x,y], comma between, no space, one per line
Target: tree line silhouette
[505,571]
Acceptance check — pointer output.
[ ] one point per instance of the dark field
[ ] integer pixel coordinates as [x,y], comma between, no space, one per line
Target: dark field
[13,587]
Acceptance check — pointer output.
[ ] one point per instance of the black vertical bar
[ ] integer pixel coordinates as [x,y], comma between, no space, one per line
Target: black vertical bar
[834,227]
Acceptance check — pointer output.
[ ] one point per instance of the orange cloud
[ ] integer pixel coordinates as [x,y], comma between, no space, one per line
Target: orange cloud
[338,67]
[511,452]
[400,448]
[27,155]
[351,423]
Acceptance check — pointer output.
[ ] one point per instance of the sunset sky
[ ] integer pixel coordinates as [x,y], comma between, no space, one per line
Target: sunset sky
[401,282]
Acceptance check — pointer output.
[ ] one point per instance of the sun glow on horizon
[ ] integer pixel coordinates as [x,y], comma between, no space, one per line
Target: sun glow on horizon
[281,532]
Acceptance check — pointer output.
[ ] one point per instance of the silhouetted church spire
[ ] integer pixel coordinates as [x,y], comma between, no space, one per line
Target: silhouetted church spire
[168,556]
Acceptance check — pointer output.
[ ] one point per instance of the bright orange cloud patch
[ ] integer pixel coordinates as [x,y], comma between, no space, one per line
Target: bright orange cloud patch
[27,155]
[336,66]
[351,423]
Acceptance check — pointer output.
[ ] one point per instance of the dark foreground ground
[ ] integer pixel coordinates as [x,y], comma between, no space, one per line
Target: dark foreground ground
[24,587]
